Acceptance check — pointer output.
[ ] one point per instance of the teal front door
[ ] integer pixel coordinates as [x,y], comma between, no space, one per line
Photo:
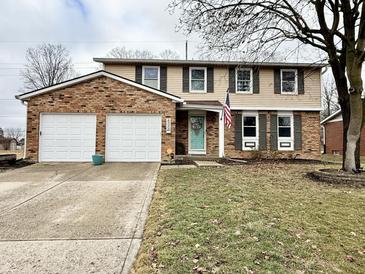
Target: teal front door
[197,134]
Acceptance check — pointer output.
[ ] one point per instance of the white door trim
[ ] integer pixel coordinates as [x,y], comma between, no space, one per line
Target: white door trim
[221,133]
[197,113]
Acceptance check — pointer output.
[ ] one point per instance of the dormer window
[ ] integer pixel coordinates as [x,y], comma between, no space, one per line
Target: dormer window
[151,76]
[198,79]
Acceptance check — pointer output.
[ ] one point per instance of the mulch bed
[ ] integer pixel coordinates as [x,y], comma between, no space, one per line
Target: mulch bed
[183,161]
[5,166]
[335,176]
[241,161]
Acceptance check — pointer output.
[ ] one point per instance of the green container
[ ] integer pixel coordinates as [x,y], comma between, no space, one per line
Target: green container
[98,159]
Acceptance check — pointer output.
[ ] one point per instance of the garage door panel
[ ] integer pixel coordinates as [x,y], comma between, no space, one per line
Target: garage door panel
[67,137]
[128,138]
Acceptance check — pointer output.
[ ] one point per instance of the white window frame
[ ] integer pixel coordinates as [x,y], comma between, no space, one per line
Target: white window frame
[158,75]
[205,80]
[295,92]
[251,81]
[286,139]
[250,139]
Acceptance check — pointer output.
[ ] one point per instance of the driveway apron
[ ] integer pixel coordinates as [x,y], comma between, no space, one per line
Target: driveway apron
[57,218]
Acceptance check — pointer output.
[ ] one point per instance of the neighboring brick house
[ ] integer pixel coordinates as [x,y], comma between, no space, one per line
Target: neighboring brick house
[151,110]
[332,135]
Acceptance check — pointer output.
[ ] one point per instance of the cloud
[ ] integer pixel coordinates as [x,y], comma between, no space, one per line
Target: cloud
[87,28]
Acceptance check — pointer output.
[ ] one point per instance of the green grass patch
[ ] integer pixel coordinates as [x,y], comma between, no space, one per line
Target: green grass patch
[260,218]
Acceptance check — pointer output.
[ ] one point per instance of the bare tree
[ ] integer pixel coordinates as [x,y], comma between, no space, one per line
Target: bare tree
[169,54]
[123,52]
[47,65]
[335,27]
[329,98]
[14,133]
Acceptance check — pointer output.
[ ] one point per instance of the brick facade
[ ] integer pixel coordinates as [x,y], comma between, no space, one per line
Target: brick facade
[212,133]
[101,96]
[334,138]
[310,139]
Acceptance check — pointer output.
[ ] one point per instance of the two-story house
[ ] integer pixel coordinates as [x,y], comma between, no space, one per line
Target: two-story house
[150,110]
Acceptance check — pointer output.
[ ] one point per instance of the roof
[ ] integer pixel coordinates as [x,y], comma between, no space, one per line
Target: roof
[332,116]
[83,78]
[204,62]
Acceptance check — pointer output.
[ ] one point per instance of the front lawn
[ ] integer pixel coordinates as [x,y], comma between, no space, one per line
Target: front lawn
[252,219]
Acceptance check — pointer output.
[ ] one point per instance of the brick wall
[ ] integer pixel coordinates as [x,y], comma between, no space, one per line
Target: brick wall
[212,132]
[212,119]
[310,139]
[334,139]
[101,96]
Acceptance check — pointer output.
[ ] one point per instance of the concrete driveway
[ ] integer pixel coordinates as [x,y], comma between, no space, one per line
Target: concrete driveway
[73,218]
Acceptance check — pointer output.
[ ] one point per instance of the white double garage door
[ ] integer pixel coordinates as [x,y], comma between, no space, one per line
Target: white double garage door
[72,138]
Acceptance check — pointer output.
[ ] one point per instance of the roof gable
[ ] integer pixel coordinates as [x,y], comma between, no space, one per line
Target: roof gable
[68,83]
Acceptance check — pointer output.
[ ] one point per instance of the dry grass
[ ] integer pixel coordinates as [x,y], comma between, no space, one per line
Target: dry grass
[338,158]
[261,218]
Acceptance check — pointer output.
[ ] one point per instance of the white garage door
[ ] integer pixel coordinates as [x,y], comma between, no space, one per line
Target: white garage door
[133,138]
[67,137]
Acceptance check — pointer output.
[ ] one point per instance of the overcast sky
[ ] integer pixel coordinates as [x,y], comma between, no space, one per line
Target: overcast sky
[87,28]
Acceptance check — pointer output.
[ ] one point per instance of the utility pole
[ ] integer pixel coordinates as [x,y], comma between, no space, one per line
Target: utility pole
[186,49]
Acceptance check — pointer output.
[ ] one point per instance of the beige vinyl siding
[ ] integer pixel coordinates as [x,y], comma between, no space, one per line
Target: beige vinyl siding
[127,71]
[265,99]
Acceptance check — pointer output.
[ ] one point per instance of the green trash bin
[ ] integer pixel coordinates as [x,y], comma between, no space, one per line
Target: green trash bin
[98,159]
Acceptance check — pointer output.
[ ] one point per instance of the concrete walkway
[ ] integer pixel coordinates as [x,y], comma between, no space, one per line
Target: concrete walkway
[73,218]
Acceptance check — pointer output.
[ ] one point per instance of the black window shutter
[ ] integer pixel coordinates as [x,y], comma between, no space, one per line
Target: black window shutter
[297,132]
[163,78]
[300,81]
[262,131]
[277,81]
[185,81]
[256,80]
[238,131]
[210,79]
[139,74]
[274,132]
[232,80]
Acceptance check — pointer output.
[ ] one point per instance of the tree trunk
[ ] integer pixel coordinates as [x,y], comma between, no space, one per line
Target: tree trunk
[338,71]
[356,117]
[345,111]
[354,130]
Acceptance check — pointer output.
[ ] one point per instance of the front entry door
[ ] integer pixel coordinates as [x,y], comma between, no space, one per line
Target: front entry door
[197,134]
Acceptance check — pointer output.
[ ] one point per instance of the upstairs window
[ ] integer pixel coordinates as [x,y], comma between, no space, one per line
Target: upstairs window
[198,79]
[243,80]
[289,81]
[285,132]
[151,77]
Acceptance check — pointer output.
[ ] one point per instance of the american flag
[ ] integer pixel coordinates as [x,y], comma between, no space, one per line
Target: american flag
[227,112]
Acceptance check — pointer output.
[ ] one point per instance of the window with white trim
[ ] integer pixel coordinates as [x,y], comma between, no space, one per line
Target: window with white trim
[285,131]
[198,79]
[244,80]
[289,79]
[250,133]
[151,77]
